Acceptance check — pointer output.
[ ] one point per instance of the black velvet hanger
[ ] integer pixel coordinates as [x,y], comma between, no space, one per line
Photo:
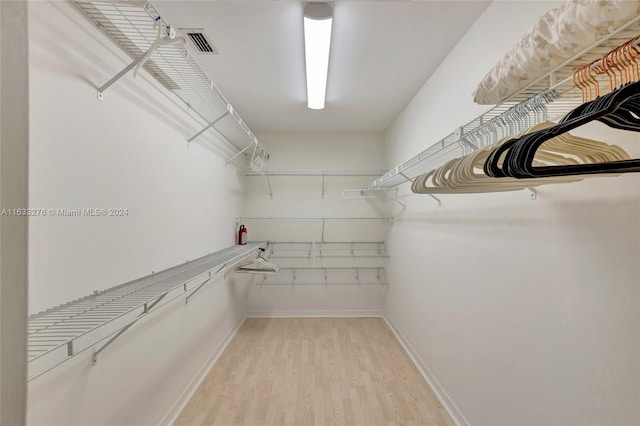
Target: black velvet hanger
[619,109]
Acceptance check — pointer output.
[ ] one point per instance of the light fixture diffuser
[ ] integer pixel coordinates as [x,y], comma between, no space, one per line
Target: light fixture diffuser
[318,20]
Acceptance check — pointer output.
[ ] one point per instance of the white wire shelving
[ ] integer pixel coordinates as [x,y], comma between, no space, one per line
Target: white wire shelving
[58,334]
[314,172]
[139,30]
[352,276]
[323,173]
[305,250]
[555,90]
[327,263]
[318,229]
[329,255]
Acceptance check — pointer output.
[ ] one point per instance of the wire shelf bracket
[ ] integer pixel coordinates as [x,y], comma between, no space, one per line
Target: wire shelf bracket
[121,74]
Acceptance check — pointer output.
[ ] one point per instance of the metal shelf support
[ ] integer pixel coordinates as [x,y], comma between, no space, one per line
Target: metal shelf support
[269,185]
[237,154]
[146,309]
[212,124]
[121,74]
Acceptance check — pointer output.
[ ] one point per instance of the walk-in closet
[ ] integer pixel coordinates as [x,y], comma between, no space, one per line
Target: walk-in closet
[319,213]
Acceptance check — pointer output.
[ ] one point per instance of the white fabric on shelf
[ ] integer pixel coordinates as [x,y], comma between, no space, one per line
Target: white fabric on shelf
[558,35]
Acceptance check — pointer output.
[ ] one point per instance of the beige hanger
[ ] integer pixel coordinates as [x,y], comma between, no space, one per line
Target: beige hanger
[465,175]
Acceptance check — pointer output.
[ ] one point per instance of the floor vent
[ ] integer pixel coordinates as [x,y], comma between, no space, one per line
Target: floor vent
[200,40]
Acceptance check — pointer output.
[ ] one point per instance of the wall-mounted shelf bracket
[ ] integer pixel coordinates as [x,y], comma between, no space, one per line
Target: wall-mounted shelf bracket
[436,198]
[533,194]
[210,125]
[186,300]
[121,74]
[394,197]
[146,309]
[269,186]
[238,154]
[361,194]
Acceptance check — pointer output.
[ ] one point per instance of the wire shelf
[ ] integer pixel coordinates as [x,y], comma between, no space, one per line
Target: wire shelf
[58,334]
[326,277]
[319,229]
[134,28]
[312,219]
[303,250]
[555,89]
[316,255]
[315,172]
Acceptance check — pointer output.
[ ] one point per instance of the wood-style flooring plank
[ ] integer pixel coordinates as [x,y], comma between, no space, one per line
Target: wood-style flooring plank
[314,371]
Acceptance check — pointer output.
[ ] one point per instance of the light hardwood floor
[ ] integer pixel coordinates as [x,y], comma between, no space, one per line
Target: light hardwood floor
[314,371]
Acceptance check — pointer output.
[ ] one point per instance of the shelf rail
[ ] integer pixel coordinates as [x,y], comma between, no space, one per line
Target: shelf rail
[58,334]
[140,31]
[555,91]
[326,276]
[310,172]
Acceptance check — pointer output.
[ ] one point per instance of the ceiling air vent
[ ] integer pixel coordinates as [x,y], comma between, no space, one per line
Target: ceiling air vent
[199,40]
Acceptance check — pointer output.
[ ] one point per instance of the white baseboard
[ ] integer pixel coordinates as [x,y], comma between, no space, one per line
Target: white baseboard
[172,415]
[315,314]
[452,409]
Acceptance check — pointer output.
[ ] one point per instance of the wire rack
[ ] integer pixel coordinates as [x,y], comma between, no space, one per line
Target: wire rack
[314,172]
[58,334]
[320,229]
[337,276]
[279,250]
[311,172]
[328,255]
[555,90]
[134,28]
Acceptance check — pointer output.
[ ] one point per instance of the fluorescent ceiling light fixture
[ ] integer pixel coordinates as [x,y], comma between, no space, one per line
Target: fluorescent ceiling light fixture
[318,19]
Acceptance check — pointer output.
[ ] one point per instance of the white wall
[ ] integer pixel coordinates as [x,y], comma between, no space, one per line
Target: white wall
[14,143]
[302,197]
[524,312]
[126,152]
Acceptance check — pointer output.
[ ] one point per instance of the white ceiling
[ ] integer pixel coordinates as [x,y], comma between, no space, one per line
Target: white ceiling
[381,54]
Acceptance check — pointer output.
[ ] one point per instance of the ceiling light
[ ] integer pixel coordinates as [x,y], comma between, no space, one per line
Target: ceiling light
[318,19]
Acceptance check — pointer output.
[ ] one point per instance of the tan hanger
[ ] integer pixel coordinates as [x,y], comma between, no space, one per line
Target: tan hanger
[465,174]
